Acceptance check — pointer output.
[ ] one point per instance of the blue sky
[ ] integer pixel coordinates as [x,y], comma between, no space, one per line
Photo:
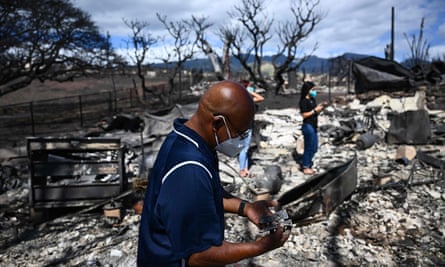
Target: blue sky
[361,26]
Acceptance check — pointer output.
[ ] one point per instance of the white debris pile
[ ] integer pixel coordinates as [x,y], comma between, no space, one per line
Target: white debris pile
[394,218]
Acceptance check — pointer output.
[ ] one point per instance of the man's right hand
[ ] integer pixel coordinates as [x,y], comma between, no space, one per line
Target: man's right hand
[275,239]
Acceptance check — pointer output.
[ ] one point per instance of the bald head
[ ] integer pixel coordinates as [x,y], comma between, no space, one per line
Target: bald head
[230,99]
[227,98]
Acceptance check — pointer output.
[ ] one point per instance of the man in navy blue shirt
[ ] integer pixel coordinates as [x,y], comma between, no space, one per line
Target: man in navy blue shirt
[182,222]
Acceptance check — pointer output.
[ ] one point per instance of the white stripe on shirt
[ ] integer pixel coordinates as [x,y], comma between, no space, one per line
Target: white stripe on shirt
[182,164]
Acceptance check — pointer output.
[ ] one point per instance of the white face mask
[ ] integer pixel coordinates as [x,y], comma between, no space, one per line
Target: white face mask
[232,146]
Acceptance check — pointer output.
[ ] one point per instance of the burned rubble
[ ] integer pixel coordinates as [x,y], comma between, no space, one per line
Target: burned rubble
[392,217]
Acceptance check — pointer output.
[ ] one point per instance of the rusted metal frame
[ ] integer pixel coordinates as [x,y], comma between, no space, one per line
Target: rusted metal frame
[314,200]
[97,144]
[320,182]
[430,160]
[327,190]
[76,194]
[413,170]
[425,158]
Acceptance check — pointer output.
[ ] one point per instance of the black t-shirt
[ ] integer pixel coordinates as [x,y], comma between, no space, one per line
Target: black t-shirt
[308,105]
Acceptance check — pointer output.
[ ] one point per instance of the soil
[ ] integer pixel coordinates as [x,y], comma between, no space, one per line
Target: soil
[54,90]
[51,90]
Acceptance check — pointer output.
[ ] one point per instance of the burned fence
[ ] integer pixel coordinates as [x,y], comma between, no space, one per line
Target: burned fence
[48,117]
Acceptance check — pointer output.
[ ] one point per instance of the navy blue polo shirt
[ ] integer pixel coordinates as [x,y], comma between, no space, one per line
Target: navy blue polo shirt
[183,209]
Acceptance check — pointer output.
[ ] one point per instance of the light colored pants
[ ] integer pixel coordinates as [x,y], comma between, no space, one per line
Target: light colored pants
[243,157]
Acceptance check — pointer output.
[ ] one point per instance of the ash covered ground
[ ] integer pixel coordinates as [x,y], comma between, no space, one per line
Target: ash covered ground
[393,218]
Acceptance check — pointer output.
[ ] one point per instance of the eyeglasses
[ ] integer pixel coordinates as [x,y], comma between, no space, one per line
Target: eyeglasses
[242,135]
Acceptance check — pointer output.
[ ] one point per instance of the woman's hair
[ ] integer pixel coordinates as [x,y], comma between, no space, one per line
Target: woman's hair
[305,88]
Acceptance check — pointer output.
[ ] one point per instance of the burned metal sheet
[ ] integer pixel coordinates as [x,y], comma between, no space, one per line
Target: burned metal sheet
[428,167]
[315,199]
[372,73]
[437,161]
[410,127]
[73,172]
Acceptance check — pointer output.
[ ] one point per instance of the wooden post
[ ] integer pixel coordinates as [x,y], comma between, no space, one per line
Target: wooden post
[80,111]
[31,111]
[110,103]
[349,75]
[392,35]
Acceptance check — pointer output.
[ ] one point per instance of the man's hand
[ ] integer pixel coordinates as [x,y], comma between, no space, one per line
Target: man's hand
[258,209]
[275,239]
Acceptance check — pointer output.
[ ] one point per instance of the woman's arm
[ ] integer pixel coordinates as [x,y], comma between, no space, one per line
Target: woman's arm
[319,108]
[256,97]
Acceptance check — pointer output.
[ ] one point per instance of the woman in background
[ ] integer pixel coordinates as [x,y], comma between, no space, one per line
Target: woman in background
[243,157]
[309,111]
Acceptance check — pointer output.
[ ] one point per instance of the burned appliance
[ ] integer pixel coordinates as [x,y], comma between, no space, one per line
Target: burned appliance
[316,198]
[74,172]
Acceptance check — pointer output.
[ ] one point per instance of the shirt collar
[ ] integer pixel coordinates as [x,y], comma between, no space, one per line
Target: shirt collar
[180,129]
[190,135]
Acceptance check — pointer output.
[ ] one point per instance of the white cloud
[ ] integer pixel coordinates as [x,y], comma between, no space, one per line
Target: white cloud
[362,26]
[441,32]
[437,52]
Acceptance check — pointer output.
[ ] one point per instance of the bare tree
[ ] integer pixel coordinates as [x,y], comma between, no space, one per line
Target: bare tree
[419,48]
[114,62]
[339,69]
[214,59]
[227,35]
[185,36]
[201,25]
[256,30]
[228,39]
[249,40]
[291,35]
[46,40]
[139,44]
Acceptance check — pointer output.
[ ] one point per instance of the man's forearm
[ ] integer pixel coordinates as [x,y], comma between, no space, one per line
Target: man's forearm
[232,204]
[226,253]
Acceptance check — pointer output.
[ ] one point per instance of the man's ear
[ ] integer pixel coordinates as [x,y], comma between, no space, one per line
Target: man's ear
[218,122]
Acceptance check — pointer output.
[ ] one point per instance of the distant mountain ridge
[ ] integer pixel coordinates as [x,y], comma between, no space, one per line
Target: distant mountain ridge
[314,64]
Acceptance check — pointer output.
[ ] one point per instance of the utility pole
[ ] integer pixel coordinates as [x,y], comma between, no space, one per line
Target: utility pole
[392,34]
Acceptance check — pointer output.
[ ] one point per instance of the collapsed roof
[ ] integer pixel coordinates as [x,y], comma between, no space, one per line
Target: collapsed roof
[373,73]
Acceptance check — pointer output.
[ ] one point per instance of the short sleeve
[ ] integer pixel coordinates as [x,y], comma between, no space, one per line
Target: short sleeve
[187,208]
[304,106]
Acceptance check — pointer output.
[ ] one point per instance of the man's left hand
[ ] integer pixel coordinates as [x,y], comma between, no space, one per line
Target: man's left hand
[258,209]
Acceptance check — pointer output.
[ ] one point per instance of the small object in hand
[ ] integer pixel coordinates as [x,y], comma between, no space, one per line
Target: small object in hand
[272,222]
